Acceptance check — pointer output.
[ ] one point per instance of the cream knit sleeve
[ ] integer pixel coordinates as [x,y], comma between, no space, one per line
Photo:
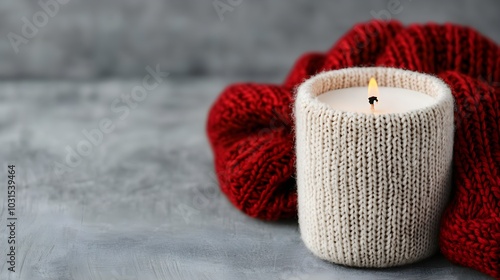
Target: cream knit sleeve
[372,188]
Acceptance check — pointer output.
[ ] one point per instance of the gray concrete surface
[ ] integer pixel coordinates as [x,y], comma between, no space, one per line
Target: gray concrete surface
[144,204]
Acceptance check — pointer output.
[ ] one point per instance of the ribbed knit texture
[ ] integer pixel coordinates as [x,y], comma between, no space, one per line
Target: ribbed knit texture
[250,129]
[372,188]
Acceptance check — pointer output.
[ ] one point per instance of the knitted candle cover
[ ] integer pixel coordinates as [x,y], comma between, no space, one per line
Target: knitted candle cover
[372,187]
[250,129]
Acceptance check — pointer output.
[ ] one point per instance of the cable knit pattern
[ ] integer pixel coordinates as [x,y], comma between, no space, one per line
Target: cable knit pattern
[250,128]
[245,131]
[372,188]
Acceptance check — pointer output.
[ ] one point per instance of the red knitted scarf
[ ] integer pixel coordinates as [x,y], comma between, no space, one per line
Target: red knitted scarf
[250,128]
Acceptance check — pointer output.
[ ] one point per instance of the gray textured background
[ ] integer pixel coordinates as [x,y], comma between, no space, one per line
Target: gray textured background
[144,204]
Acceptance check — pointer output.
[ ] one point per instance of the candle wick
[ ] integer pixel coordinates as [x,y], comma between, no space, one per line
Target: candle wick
[372,100]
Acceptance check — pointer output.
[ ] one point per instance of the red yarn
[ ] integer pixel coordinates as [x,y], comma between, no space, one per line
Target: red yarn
[251,130]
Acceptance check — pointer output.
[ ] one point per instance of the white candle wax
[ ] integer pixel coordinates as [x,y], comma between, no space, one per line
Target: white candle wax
[390,100]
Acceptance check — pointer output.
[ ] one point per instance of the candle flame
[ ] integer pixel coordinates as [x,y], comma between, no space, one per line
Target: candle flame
[372,93]
[373,88]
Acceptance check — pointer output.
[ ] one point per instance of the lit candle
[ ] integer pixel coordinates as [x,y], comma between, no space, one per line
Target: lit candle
[381,100]
[372,181]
